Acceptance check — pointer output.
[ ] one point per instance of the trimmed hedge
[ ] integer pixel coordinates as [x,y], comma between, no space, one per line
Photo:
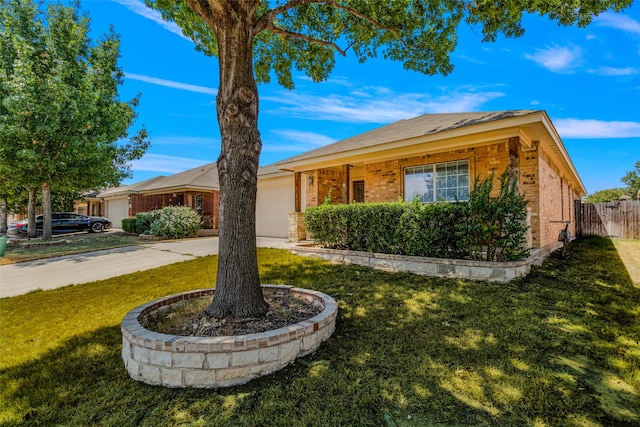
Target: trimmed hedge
[485,228]
[129,225]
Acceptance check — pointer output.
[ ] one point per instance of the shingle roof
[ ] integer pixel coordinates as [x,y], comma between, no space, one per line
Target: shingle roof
[132,188]
[203,177]
[426,124]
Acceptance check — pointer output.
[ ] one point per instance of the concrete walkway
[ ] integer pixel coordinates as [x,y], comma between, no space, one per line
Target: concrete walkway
[18,279]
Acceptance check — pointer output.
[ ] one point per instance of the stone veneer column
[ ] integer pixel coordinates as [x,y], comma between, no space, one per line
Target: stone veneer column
[296,227]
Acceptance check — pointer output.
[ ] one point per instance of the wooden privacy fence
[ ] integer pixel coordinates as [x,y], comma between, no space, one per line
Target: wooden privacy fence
[613,219]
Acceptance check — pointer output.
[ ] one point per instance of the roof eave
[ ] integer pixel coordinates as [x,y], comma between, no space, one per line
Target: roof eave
[484,132]
[562,154]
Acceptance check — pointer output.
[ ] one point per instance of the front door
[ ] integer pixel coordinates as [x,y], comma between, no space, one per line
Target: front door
[358,191]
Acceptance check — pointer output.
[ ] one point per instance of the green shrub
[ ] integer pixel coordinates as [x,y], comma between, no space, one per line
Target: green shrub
[143,222]
[431,230]
[495,227]
[175,222]
[129,225]
[485,228]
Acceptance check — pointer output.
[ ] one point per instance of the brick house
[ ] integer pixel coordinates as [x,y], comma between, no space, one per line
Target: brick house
[437,157]
[199,188]
[434,157]
[196,188]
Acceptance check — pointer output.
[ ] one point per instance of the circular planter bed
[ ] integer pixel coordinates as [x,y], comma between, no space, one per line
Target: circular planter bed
[213,362]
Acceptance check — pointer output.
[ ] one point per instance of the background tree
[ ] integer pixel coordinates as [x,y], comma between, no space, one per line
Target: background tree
[632,179]
[608,195]
[61,114]
[254,39]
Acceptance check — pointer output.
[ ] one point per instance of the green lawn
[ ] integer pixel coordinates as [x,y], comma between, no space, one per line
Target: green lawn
[34,249]
[558,348]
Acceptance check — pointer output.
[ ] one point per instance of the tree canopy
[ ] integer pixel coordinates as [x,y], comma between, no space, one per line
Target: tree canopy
[632,179]
[255,40]
[305,35]
[61,119]
[608,195]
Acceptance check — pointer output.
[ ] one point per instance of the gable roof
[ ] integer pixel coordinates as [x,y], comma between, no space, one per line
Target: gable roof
[441,132]
[426,124]
[127,189]
[202,178]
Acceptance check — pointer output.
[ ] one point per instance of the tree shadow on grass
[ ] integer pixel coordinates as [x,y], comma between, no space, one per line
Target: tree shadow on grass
[559,347]
[556,348]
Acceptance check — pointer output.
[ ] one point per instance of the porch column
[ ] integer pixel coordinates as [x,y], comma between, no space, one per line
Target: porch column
[345,183]
[296,218]
[297,188]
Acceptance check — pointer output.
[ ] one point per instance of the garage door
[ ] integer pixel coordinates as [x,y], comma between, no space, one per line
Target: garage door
[117,210]
[274,202]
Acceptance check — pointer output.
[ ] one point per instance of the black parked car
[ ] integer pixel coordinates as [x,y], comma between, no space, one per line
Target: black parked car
[63,222]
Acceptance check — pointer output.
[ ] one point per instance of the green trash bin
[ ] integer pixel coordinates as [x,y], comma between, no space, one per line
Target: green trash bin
[3,245]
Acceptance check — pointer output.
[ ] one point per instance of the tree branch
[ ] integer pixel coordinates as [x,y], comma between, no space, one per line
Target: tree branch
[266,21]
[290,34]
[204,9]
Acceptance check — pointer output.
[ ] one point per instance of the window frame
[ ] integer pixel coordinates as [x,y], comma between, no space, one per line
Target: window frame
[434,180]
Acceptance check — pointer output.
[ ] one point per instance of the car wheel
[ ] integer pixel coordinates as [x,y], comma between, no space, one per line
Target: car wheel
[97,227]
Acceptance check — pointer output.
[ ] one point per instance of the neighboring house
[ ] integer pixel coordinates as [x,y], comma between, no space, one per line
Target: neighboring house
[90,204]
[433,157]
[196,188]
[437,157]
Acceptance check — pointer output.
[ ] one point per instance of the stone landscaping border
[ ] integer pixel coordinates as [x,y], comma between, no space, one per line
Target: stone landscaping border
[438,267]
[214,362]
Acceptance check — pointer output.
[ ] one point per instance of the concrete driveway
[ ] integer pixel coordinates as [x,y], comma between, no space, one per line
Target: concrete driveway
[18,279]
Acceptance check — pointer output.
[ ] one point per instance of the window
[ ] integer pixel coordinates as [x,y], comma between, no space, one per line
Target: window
[441,182]
[198,204]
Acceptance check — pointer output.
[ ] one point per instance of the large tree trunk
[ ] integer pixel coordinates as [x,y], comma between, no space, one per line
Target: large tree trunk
[238,292]
[46,211]
[31,213]
[4,207]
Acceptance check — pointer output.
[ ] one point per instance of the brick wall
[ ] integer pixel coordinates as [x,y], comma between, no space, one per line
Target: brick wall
[557,201]
[210,204]
[548,194]
[384,180]
[494,158]
[139,203]
[528,182]
[312,189]
[326,183]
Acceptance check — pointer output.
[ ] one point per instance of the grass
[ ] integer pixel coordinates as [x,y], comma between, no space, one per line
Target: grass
[558,348]
[34,249]
[629,251]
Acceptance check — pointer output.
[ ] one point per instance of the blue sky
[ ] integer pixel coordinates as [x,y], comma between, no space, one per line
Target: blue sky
[587,79]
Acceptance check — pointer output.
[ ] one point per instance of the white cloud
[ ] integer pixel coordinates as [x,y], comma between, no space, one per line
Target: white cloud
[334,80]
[172,84]
[165,164]
[309,138]
[291,140]
[139,8]
[457,102]
[185,140]
[378,105]
[613,71]
[594,129]
[557,59]
[620,22]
